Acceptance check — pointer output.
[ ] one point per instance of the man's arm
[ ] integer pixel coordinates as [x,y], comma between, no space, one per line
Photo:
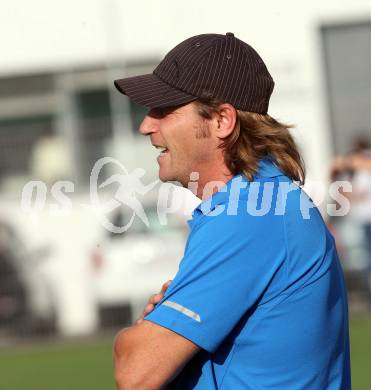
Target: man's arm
[148,356]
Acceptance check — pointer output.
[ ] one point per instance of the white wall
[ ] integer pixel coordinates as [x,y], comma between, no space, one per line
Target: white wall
[46,34]
[42,33]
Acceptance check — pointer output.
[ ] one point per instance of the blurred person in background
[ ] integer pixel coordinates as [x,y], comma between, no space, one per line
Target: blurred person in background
[259,299]
[356,167]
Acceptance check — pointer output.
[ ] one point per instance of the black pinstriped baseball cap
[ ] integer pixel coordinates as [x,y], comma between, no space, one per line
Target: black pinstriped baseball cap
[208,65]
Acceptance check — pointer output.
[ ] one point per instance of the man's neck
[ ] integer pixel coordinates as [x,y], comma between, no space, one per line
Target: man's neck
[210,182]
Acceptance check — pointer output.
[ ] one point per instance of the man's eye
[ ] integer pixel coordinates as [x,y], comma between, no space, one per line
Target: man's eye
[159,112]
[155,112]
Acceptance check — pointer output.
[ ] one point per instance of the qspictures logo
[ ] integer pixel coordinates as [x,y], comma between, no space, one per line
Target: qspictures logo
[130,187]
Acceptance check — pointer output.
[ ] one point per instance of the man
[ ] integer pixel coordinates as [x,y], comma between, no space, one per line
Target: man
[356,167]
[258,301]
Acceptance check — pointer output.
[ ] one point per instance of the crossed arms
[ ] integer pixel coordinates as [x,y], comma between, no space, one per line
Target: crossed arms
[148,356]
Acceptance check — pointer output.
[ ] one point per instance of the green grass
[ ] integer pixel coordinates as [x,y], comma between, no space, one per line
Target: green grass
[58,367]
[88,366]
[360,348]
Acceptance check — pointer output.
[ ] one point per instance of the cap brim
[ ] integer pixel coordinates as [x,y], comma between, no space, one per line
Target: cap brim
[150,91]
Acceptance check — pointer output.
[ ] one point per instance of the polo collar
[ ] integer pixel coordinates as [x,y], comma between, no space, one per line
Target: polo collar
[266,169]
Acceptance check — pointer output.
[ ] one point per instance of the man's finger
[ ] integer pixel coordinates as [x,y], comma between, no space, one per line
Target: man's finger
[148,309]
[166,285]
[156,298]
[153,300]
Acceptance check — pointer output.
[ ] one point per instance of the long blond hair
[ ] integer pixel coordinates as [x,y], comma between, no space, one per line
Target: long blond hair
[254,137]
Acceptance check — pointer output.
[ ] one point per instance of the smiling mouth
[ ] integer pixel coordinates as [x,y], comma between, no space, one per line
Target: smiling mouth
[163,150]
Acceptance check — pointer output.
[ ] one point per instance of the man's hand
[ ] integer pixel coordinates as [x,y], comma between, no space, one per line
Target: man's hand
[153,300]
[149,356]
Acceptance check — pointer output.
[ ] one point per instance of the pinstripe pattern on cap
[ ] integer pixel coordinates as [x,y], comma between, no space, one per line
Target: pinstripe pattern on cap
[207,65]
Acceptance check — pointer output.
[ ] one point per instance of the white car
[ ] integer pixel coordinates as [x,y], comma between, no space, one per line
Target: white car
[129,267]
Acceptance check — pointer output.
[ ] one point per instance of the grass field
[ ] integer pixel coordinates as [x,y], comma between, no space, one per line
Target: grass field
[360,344]
[88,366]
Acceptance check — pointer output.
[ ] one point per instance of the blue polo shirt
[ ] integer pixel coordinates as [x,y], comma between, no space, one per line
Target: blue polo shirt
[260,290]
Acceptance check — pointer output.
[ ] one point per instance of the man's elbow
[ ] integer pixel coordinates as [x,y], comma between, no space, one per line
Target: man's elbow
[121,355]
[129,380]
[127,376]
[126,382]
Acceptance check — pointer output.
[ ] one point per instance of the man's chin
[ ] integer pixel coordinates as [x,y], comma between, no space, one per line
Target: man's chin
[168,177]
[164,176]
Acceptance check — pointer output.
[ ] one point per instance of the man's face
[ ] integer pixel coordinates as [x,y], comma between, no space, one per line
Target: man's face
[181,136]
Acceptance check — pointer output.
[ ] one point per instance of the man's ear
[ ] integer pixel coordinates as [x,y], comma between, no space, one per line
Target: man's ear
[225,120]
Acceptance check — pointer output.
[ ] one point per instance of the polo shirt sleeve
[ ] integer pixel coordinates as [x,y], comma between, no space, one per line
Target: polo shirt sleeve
[227,265]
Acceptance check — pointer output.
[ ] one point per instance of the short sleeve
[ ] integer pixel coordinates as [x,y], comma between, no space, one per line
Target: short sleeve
[228,263]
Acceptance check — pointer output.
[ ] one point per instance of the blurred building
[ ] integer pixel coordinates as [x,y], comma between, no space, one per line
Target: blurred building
[59,111]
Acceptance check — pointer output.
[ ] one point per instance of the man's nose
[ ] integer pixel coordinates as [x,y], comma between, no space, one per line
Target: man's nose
[149,125]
